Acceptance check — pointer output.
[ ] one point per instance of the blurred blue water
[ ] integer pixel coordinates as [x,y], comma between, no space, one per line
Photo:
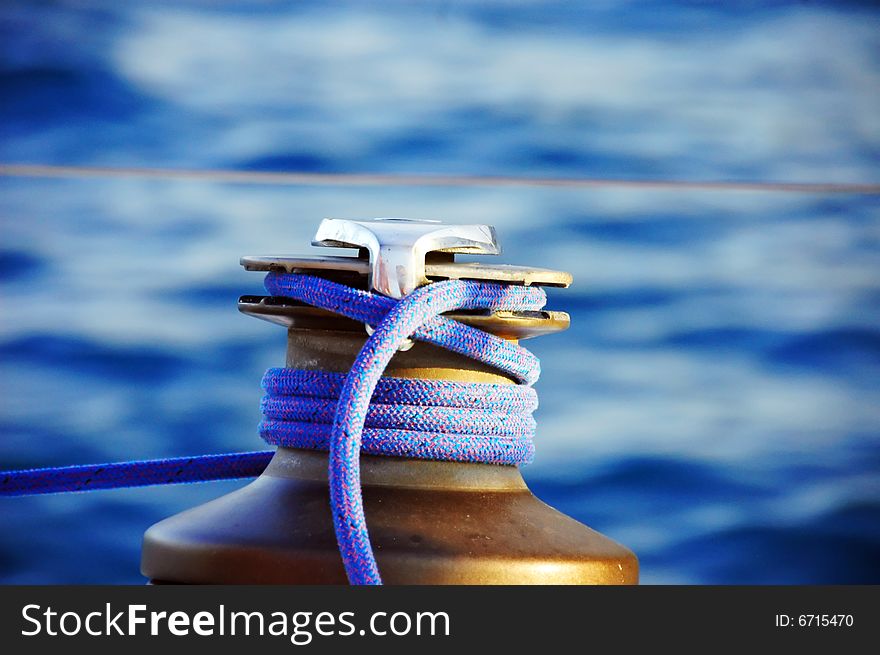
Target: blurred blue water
[715,405]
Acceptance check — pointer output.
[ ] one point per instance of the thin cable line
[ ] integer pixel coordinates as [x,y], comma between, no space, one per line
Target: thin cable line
[294,178]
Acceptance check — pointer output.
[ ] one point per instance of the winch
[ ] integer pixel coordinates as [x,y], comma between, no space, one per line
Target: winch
[450,518]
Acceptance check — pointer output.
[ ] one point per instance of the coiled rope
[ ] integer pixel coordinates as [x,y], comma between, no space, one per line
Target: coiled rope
[362,411]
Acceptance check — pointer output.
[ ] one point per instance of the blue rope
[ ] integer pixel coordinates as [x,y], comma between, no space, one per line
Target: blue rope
[423,419]
[372,308]
[91,477]
[362,411]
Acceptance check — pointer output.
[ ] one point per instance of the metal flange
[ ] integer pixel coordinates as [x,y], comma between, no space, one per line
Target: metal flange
[434,271]
[514,326]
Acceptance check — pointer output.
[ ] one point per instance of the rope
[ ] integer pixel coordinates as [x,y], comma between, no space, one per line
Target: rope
[421,419]
[309,178]
[91,477]
[362,411]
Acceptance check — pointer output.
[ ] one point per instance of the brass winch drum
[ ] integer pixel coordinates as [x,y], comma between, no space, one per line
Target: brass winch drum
[430,522]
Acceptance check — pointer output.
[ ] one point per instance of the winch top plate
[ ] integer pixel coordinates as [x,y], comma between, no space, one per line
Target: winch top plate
[434,271]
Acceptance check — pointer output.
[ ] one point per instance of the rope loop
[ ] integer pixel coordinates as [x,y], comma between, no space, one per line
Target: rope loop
[417,316]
